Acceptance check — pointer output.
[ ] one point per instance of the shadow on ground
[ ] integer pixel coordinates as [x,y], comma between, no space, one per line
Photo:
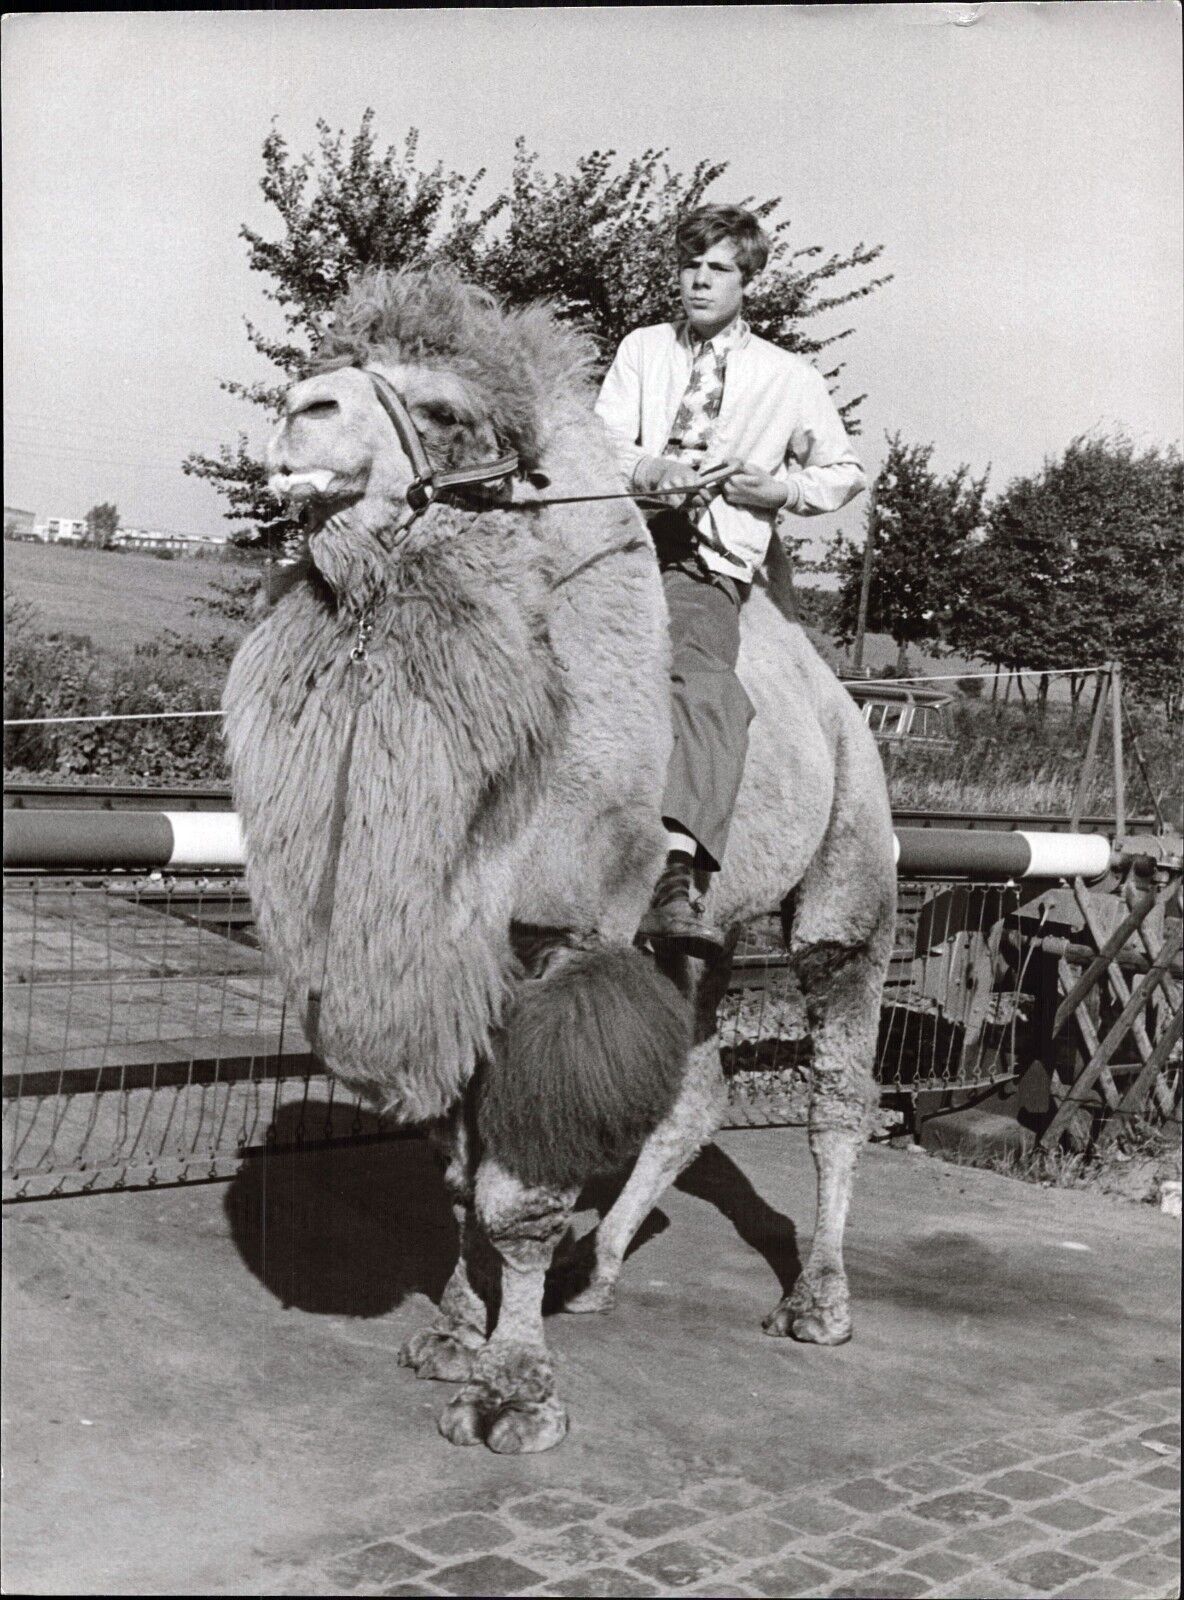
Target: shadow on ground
[346,1233]
[716,1178]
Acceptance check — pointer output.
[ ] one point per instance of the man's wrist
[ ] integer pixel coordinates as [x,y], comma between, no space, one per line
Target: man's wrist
[793,495]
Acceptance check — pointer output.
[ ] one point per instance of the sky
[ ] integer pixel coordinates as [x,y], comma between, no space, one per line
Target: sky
[1022,171]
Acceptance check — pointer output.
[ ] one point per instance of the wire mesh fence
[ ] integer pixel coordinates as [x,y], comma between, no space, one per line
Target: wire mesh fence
[147,1040]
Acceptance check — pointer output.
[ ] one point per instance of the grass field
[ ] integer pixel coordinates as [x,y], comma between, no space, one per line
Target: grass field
[117,601]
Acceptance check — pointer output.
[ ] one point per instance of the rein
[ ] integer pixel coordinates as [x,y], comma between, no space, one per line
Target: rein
[427,482]
[322,911]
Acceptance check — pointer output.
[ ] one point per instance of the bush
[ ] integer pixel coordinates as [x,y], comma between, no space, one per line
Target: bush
[51,675]
[819,608]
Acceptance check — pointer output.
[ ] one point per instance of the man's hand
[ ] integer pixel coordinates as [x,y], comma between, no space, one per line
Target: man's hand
[662,472]
[759,491]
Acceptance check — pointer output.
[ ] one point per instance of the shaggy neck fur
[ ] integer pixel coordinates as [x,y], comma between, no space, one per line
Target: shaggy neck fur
[461,703]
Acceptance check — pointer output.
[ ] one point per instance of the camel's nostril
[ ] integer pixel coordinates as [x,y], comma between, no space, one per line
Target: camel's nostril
[316,408]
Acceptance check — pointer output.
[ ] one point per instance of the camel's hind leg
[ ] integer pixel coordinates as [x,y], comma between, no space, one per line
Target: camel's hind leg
[510,1403]
[842,986]
[673,1145]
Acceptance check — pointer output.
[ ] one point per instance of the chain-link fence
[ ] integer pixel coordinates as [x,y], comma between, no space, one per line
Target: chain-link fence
[146,1040]
[953,1004]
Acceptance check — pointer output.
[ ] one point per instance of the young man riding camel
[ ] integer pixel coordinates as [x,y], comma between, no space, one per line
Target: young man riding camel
[686,403]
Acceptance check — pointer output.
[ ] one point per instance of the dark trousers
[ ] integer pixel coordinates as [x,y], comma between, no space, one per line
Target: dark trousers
[711,710]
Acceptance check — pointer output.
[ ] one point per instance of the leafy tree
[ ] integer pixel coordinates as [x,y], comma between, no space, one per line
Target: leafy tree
[1083,562]
[102,524]
[597,241]
[598,244]
[242,479]
[919,524]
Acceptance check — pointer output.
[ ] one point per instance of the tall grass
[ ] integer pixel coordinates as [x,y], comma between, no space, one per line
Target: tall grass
[1028,759]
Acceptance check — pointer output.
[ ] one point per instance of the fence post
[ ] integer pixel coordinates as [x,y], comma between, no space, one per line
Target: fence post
[1091,751]
[1119,772]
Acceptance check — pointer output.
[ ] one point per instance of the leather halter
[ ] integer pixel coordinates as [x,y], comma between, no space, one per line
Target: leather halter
[427,482]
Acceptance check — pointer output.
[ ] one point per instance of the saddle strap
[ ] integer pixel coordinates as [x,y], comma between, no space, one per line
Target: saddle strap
[322,911]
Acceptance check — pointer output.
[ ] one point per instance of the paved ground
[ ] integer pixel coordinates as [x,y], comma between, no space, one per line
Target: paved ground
[201,1395]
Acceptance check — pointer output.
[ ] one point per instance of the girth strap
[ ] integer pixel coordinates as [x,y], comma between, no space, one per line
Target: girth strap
[322,911]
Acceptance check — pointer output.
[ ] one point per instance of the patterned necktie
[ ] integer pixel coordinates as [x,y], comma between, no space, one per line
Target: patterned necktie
[692,433]
[693,429]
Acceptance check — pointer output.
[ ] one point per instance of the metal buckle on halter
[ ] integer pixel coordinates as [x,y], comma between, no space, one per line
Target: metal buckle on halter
[360,652]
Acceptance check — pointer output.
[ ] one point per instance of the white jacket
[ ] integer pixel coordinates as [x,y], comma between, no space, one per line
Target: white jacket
[776,414]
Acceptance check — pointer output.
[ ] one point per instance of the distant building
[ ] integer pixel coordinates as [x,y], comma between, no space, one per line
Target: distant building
[66,530]
[156,539]
[19,524]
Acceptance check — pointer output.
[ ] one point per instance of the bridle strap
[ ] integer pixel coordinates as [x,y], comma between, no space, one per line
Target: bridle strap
[427,482]
[392,403]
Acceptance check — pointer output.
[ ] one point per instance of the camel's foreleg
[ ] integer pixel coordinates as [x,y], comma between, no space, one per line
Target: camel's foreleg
[447,1348]
[590,1061]
[509,1402]
[842,988]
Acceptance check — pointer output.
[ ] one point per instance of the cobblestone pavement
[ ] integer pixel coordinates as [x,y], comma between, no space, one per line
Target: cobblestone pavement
[1086,1508]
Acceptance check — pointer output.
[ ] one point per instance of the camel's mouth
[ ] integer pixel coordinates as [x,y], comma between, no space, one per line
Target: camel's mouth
[301,487]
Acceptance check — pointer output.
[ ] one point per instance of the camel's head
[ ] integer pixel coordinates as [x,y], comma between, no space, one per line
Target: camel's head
[335,445]
[477,381]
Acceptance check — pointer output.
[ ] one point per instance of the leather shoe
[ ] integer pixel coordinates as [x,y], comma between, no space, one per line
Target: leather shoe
[674,920]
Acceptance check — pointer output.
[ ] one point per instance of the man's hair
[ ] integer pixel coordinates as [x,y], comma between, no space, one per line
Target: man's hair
[699,230]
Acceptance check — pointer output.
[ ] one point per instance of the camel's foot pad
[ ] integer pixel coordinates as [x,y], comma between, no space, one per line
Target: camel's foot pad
[510,1405]
[812,1313]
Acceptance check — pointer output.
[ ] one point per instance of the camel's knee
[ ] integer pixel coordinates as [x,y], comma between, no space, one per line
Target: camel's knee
[841,985]
[834,977]
[523,1222]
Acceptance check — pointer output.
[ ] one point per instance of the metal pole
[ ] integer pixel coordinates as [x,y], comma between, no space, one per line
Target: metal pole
[865,590]
[1160,823]
[1119,770]
[1091,751]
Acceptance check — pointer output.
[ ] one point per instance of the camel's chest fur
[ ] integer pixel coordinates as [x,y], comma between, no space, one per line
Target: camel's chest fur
[455,712]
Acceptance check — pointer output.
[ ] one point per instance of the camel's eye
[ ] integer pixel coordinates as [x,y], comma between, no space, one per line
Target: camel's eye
[318,408]
[442,414]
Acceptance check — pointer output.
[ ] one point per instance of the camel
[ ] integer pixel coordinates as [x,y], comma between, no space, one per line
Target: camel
[448,738]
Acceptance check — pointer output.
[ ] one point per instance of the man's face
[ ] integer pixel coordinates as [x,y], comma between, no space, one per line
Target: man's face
[712,288]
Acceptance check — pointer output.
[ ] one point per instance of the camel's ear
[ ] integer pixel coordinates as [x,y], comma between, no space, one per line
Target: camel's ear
[537,479]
